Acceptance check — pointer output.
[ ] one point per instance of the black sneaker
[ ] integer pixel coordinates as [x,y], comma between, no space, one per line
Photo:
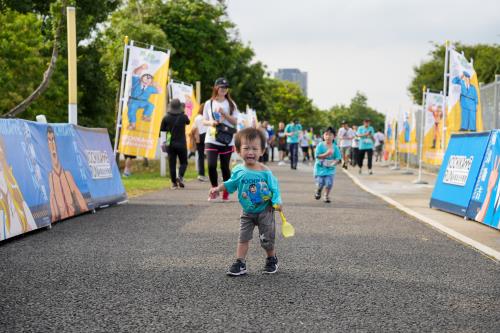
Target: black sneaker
[180,182]
[237,269]
[327,199]
[271,265]
[317,194]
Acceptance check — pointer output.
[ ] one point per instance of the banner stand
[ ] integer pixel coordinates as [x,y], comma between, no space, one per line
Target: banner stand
[419,180]
[407,170]
[396,153]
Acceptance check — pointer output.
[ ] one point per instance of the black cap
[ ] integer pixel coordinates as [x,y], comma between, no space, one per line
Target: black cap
[221,82]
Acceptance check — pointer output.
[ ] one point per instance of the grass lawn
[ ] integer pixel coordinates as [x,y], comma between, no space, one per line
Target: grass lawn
[147,179]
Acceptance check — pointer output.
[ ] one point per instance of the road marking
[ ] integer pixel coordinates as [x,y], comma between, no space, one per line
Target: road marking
[433,223]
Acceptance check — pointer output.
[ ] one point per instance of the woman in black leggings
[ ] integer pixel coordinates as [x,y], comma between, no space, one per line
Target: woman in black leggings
[220,108]
[174,123]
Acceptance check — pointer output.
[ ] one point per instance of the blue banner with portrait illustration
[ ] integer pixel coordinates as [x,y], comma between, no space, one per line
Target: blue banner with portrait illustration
[485,202]
[50,172]
[459,172]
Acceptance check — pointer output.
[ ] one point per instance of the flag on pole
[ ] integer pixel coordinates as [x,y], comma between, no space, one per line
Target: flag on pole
[464,107]
[146,79]
[433,128]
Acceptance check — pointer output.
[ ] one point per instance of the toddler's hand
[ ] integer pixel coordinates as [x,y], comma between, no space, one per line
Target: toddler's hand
[278,208]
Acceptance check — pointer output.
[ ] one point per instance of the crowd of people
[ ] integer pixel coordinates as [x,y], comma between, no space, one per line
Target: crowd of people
[215,140]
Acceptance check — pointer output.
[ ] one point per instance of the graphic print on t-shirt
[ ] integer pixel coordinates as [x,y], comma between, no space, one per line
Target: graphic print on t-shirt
[257,192]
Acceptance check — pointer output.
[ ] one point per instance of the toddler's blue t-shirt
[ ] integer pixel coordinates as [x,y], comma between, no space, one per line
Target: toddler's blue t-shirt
[257,189]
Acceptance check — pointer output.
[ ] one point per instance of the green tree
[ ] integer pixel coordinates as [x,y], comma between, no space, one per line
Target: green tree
[430,72]
[355,113]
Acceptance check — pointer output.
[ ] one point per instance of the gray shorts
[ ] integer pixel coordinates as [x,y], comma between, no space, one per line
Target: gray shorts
[265,223]
[345,150]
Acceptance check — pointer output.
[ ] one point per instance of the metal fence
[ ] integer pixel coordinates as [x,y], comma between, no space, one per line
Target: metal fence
[490,104]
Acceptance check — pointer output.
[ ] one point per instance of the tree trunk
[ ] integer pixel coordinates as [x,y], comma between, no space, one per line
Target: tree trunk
[21,107]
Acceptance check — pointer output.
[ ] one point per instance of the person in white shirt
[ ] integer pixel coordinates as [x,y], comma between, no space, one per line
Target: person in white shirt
[201,131]
[379,145]
[219,109]
[354,147]
[345,137]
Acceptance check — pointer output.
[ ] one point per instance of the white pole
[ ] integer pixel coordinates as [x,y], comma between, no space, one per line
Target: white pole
[446,76]
[421,147]
[121,99]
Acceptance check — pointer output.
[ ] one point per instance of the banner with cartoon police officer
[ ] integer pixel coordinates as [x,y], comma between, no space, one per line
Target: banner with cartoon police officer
[464,107]
[407,136]
[144,101]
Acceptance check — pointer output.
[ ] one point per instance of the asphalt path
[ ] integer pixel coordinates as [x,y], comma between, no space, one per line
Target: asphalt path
[158,264]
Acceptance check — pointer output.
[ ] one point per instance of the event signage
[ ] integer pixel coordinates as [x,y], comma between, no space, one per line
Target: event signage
[433,128]
[458,173]
[485,202]
[464,106]
[144,101]
[185,94]
[457,170]
[407,137]
[52,172]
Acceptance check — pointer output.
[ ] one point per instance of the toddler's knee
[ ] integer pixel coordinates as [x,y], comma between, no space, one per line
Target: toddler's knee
[267,245]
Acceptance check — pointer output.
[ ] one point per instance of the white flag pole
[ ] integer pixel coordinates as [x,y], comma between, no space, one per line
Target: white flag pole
[446,76]
[421,147]
[121,100]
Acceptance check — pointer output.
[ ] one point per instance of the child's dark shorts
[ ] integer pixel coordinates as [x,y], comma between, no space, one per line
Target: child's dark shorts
[265,223]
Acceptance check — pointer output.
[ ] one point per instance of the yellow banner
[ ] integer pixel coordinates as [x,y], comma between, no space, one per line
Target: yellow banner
[147,74]
[407,137]
[390,134]
[433,128]
[464,104]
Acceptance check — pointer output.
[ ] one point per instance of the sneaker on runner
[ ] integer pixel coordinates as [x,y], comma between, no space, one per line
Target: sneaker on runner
[213,196]
[317,194]
[202,178]
[237,269]
[327,199]
[370,172]
[271,266]
[225,196]
[174,187]
[180,182]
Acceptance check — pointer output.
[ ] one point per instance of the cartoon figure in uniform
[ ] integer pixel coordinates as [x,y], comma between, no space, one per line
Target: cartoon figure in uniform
[265,192]
[142,88]
[66,200]
[468,102]
[253,194]
[15,215]
[437,114]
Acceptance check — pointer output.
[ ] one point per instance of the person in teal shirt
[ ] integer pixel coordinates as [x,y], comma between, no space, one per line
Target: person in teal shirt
[292,131]
[365,134]
[327,157]
[258,194]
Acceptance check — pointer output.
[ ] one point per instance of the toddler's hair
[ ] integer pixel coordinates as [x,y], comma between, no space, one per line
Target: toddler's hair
[331,130]
[250,134]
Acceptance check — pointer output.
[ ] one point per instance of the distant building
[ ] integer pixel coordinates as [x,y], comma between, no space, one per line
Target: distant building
[293,75]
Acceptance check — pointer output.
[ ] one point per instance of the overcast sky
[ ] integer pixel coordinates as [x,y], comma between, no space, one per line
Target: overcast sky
[352,45]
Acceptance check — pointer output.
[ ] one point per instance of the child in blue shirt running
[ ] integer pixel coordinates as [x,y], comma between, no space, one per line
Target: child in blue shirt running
[327,157]
[259,196]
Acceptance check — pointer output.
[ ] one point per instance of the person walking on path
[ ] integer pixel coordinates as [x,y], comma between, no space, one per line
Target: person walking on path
[219,109]
[345,135]
[259,195]
[292,131]
[379,138]
[200,144]
[282,145]
[174,123]
[304,145]
[355,147]
[365,134]
[327,157]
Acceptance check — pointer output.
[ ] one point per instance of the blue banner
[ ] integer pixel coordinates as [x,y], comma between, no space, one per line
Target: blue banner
[485,202]
[459,171]
[52,172]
